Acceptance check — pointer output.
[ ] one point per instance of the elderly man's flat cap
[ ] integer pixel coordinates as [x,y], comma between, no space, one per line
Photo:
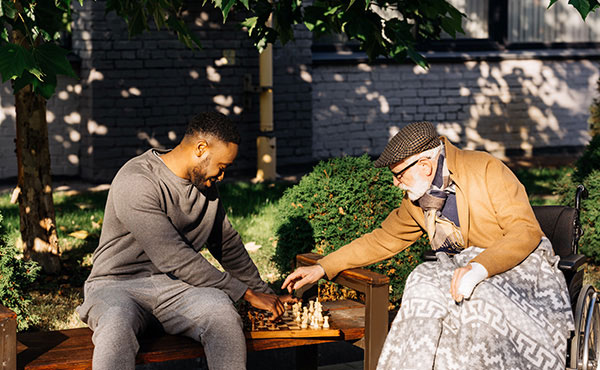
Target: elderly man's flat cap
[412,139]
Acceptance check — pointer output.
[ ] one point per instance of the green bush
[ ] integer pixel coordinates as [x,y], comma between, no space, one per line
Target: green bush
[587,172]
[16,276]
[589,160]
[594,119]
[340,200]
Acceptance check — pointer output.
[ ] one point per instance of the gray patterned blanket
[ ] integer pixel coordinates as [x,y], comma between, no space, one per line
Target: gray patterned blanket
[519,319]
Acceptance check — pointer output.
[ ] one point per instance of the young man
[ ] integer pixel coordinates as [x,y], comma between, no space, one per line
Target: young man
[495,297]
[162,208]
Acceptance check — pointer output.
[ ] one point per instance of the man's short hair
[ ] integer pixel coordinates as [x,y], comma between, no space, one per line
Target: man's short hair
[214,124]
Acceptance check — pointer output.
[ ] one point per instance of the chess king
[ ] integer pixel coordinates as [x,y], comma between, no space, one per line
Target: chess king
[495,297]
[162,208]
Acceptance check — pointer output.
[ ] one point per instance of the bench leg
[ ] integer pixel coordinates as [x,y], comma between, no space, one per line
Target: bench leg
[8,343]
[376,323]
[307,357]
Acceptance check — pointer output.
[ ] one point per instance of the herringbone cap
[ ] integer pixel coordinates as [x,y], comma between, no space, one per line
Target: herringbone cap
[412,139]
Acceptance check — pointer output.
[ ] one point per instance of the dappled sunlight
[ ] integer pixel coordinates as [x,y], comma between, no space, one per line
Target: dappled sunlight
[507,107]
[520,104]
[144,136]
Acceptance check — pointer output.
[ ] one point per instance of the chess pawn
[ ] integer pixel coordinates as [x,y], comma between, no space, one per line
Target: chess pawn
[304,324]
[326,322]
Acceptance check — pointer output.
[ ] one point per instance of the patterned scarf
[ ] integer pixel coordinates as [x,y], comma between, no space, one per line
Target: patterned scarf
[441,213]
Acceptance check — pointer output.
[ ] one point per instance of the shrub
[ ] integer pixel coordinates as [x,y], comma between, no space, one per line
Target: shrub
[16,276]
[587,172]
[340,200]
[594,119]
[589,160]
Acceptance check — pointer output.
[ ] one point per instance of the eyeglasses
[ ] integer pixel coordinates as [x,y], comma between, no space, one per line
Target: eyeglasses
[398,175]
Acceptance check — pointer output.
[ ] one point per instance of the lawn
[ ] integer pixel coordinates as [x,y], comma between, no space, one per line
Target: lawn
[250,207]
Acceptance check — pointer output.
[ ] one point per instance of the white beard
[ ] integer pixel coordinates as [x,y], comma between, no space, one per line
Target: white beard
[418,189]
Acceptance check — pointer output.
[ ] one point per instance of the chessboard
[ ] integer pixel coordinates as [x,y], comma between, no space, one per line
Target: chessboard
[298,321]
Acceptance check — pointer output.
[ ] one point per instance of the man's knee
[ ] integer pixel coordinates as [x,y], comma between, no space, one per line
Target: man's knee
[224,318]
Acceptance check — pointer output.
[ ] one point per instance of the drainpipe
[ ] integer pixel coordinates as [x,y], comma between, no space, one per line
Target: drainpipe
[266,142]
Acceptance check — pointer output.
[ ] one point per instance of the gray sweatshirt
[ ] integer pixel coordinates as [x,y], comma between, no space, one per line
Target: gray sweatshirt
[156,222]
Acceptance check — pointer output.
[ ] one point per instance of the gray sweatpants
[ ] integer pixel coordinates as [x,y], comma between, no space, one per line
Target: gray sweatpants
[119,310]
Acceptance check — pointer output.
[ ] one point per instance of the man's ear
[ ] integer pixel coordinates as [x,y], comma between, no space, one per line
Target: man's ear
[430,166]
[200,148]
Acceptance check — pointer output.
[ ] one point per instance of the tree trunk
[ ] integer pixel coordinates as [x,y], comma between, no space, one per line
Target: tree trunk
[38,227]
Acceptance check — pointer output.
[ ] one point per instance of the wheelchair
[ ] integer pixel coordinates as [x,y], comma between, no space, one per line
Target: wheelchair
[561,225]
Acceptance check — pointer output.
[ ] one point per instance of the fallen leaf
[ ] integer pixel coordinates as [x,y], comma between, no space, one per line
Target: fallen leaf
[80,234]
[252,246]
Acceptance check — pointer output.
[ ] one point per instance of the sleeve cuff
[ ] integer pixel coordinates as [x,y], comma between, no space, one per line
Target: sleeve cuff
[235,289]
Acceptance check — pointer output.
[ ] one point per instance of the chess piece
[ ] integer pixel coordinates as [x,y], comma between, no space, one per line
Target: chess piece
[312,306]
[326,322]
[304,324]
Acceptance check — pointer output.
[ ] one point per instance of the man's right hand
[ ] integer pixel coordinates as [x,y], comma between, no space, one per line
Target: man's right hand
[264,301]
[302,276]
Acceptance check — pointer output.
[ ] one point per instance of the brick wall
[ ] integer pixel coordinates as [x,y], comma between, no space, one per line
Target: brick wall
[507,107]
[63,129]
[139,93]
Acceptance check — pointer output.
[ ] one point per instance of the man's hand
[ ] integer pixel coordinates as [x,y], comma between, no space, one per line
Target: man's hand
[264,301]
[465,279]
[458,275]
[302,276]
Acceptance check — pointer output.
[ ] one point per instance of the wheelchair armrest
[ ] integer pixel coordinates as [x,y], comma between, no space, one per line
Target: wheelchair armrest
[572,262]
[429,255]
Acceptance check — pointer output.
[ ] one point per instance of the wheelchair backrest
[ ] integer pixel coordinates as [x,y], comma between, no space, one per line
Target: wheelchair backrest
[560,224]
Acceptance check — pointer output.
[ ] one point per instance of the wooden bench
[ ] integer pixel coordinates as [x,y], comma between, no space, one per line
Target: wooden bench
[364,325]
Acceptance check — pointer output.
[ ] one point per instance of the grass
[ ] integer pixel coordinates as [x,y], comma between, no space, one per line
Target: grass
[250,208]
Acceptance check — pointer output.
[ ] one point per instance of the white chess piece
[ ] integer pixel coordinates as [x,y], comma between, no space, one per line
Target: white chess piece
[304,324]
[326,322]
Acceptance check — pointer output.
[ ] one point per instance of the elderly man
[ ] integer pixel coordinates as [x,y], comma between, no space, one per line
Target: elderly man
[162,208]
[495,297]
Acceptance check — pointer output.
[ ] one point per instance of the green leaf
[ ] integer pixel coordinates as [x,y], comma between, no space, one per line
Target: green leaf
[551,3]
[14,60]
[53,60]
[250,23]
[417,58]
[246,4]
[582,6]
[4,35]
[225,6]
[8,9]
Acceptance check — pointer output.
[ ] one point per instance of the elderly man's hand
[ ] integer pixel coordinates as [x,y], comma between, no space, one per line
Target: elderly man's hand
[465,279]
[456,278]
[302,276]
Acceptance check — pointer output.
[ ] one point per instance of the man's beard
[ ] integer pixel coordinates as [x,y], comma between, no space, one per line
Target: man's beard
[198,175]
[418,189]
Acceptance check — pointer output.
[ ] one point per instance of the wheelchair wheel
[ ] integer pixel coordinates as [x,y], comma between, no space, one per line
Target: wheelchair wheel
[585,345]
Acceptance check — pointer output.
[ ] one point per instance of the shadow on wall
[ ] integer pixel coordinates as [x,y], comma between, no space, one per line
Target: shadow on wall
[63,119]
[507,107]
[139,93]
[517,106]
